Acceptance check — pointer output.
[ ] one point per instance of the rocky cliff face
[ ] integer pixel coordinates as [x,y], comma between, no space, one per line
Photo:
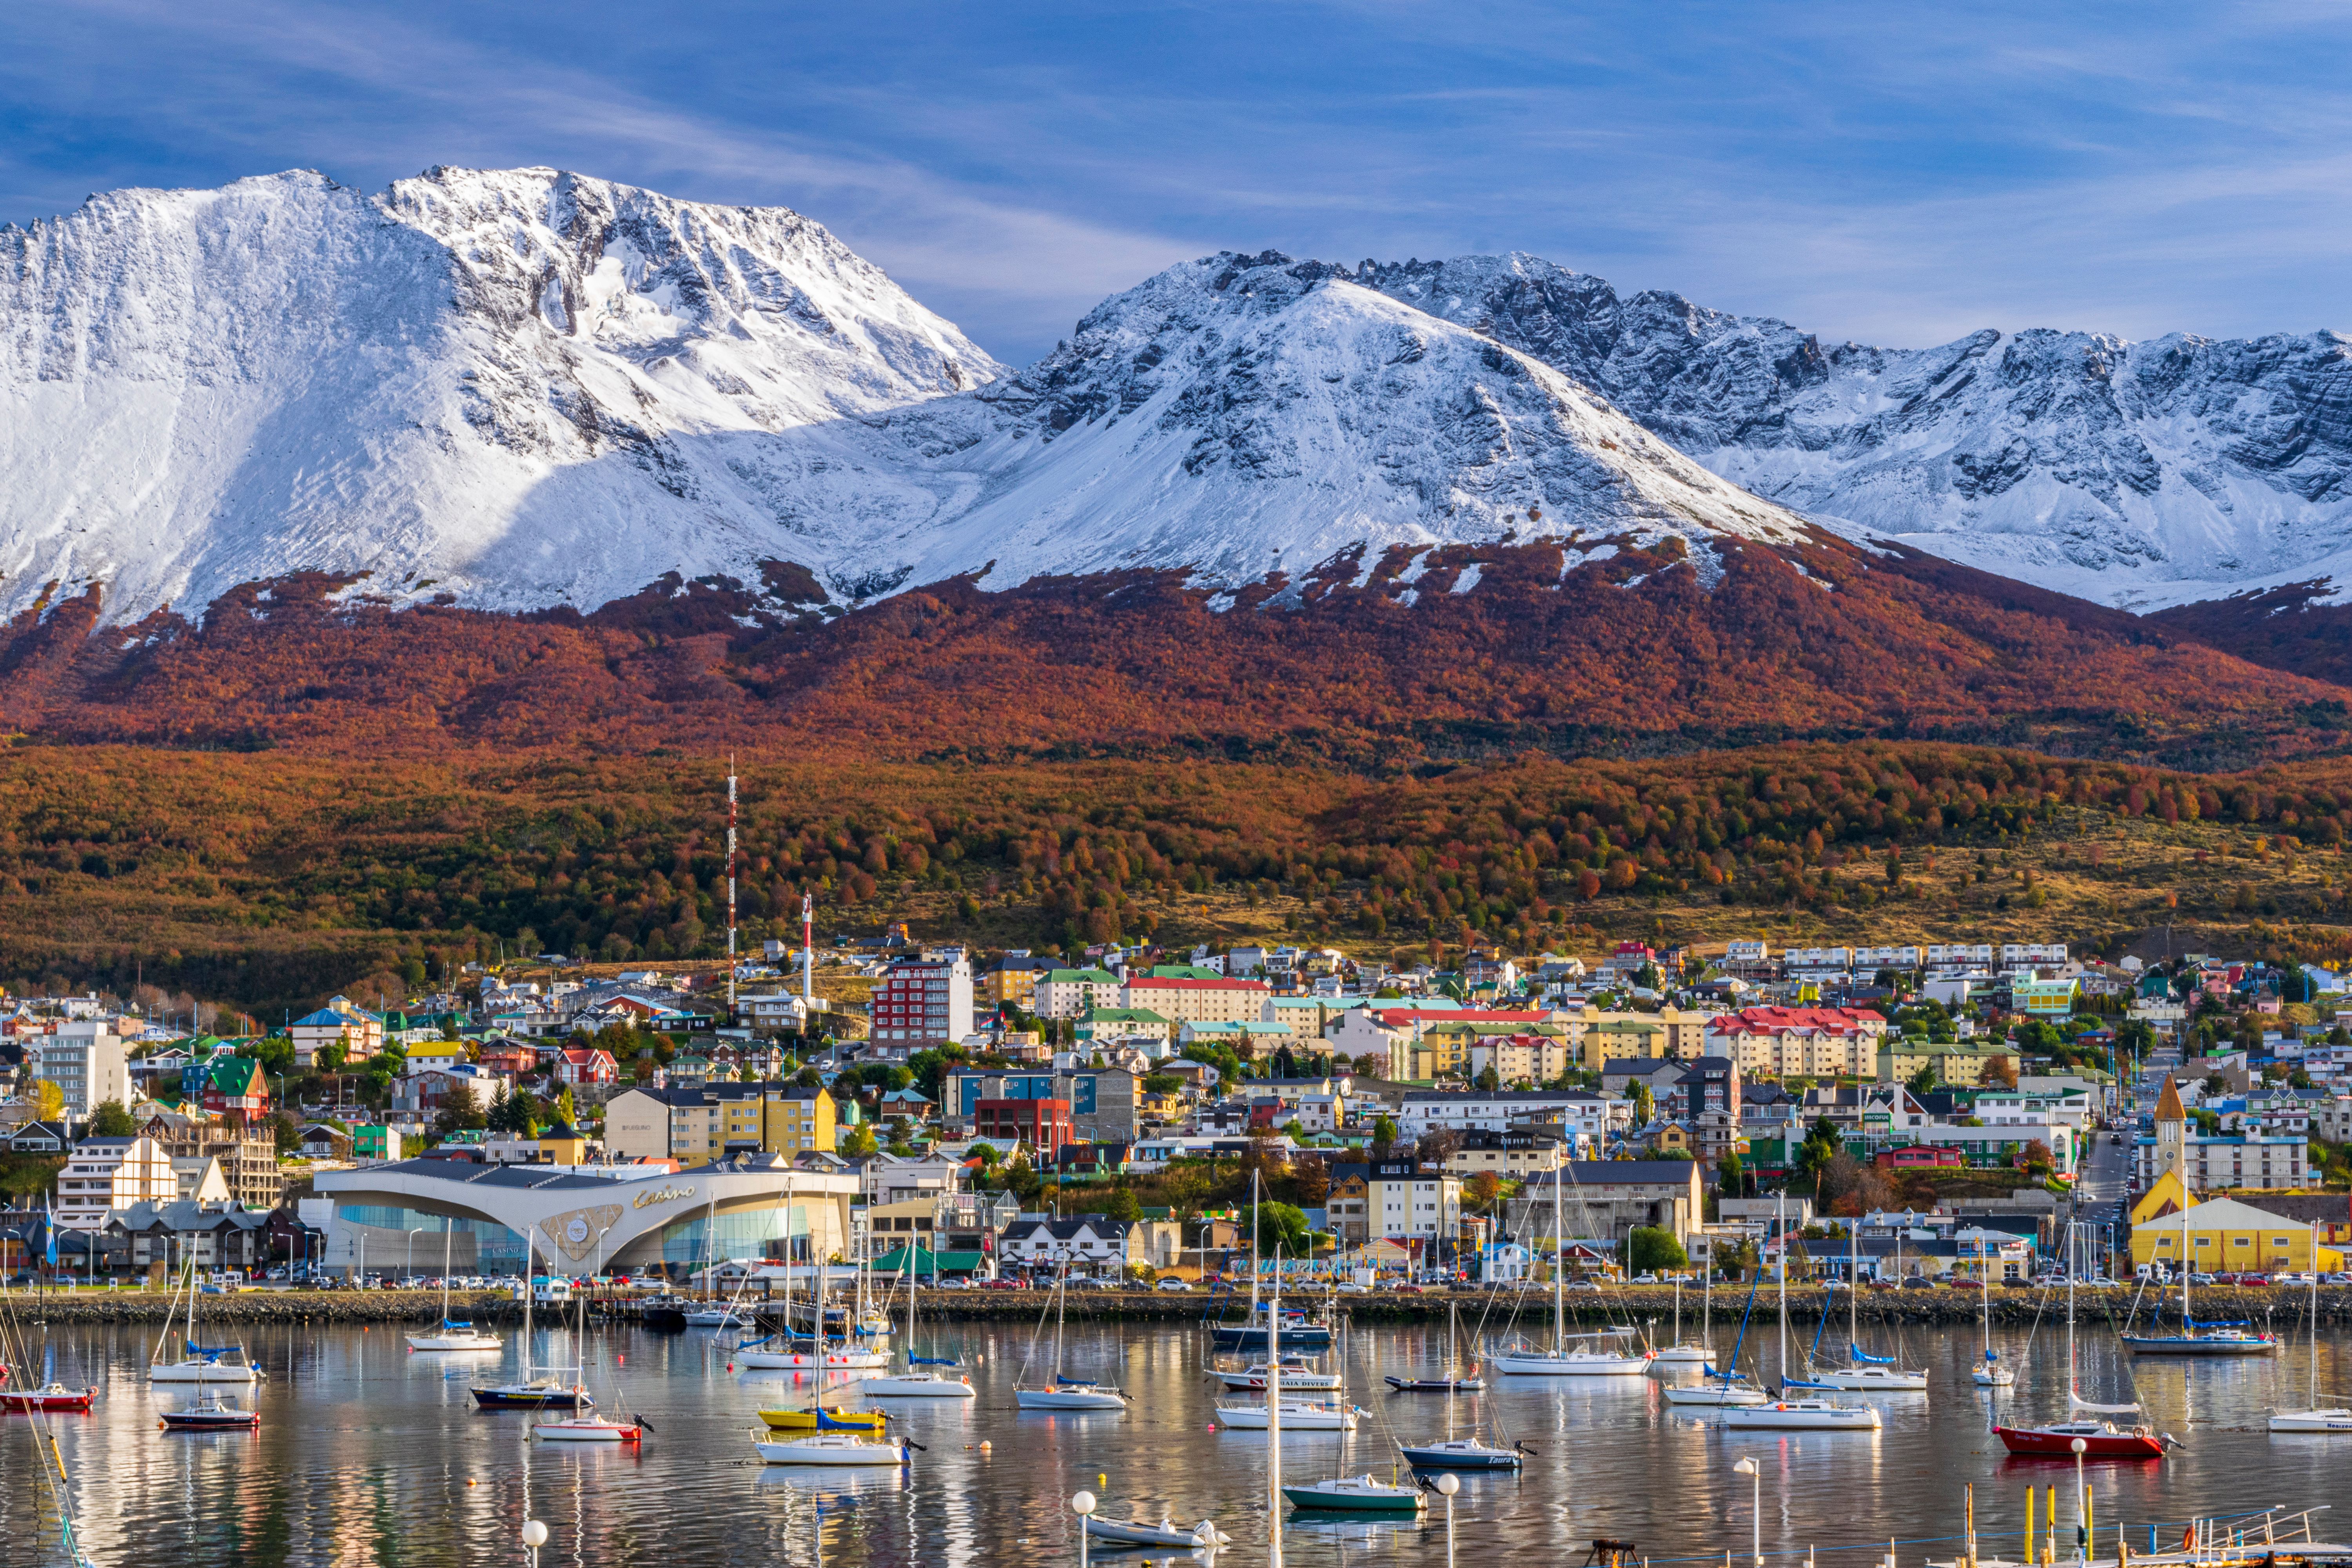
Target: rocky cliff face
[2137,474]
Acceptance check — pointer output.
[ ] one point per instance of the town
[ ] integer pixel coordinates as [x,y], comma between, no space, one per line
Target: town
[1100,1113]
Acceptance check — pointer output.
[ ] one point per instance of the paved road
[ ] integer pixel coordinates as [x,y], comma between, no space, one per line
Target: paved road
[2099,1196]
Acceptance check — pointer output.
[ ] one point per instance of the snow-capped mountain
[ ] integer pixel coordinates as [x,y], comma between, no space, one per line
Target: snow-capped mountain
[503,385]
[525,387]
[2137,474]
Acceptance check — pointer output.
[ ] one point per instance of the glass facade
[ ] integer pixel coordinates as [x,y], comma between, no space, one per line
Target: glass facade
[399,1240]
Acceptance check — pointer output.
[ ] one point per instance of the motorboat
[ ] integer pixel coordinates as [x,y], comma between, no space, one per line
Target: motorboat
[208,1411]
[713,1318]
[2313,1419]
[1202,1537]
[820,1418]
[1356,1494]
[2100,1440]
[587,1429]
[1461,1454]
[1305,1415]
[1296,1373]
[50,1396]
[833,1449]
[452,1333]
[1801,1416]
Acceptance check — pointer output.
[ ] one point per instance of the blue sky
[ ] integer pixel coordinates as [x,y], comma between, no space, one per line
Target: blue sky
[1893,172]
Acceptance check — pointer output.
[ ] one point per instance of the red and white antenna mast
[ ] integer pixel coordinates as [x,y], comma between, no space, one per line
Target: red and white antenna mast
[730,889]
[808,951]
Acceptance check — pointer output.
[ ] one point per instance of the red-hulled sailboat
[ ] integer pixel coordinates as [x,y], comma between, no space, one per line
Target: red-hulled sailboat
[2100,1439]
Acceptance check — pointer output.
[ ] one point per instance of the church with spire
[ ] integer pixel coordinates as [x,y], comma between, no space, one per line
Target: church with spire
[2201,1163]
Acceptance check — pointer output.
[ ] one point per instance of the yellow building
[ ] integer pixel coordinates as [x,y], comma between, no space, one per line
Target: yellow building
[2221,1236]
[1901,1056]
[1600,1037]
[721,1119]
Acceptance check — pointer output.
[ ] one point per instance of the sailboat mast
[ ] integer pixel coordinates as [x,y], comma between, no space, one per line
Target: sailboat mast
[1854,1286]
[1781,1224]
[1254,1255]
[1273,1408]
[2315,1314]
[1559,1270]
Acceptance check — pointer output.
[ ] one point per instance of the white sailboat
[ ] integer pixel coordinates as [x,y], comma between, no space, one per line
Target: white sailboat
[541,1392]
[1803,1414]
[1719,1389]
[1560,1361]
[1298,1372]
[584,1424]
[832,1448]
[200,1363]
[2312,1418]
[1992,1371]
[1065,1393]
[452,1333]
[1864,1372]
[922,1379]
[1683,1351]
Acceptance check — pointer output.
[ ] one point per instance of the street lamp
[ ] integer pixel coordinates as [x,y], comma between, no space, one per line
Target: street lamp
[1755,1475]
[1447,1485]
[535,1536]
[2082,1533]
[1082,1505]
[408,1264]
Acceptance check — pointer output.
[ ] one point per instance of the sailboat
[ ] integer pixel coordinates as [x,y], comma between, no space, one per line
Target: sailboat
[833,1448]
[920,1380]
[1560,1361]
[1453,1453]
[1801,1415]
[1297,1372]
[453,1334]
[2222,1339]
[1683,1351]
[1064,1393]
[2312,1418]
[2100,1439]
[710,1312]
[1990,1371]
[1454,1382]
[584,1426]
[1721,1389]
[1864,1372]
[1258,1331]
[540,1393]
[206,1411]
[200,1363]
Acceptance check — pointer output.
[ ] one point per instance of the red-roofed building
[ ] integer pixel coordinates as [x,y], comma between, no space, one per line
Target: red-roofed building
[1188,1001]
[586,1064]
[1812,1042]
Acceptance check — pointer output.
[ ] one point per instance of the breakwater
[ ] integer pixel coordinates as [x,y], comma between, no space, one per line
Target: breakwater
[2274,1306]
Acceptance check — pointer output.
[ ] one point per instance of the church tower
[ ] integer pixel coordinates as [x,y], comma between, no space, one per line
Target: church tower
[2172,1137]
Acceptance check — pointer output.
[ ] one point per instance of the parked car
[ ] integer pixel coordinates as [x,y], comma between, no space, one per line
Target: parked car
[1173,1284]
[1919,1282]
[2254,1280]
[1582,1285]
[1645,1278]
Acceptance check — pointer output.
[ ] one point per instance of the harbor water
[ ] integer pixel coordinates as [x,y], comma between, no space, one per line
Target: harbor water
[371,1455]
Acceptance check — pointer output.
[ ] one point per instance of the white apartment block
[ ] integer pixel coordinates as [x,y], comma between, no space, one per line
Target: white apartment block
[108,1173]
[85,1060]
[1183,1000]
[1432,1110]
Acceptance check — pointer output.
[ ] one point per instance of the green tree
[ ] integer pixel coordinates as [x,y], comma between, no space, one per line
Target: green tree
[285,1134]
[111,1118]
[859,1142]
[1384,1136]
[1279,1225]
[1731,1178]
[1923,1081]
[1645,1105]
[563,1108]
[1652,1249]
[1121,1204]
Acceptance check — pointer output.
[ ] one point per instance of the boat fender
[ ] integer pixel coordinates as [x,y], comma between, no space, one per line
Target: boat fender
[986,1448]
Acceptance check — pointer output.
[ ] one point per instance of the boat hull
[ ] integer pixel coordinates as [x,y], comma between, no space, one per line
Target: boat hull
[808,1451]
[1068,1399]
[1295,1418]
[1255,1382]
[454,1342]
[1203,1537]
[200,1371]
[526,1398]
[1801,1415]
[2335,1421]
[586,1430]
[1358,1498]
[1571,1365]
[44,1399]
[1866,1382]
[810,1361]
[1434,1385]
[1705,1397]
[805,1420]
[916,1388]
[2199,1346]
[2037,1443]
[2000,1377]
[211,1420]
[1684,1355]
[1459,1457]
[1307,1337]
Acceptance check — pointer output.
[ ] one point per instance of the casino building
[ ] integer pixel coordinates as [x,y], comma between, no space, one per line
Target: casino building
[391,1218]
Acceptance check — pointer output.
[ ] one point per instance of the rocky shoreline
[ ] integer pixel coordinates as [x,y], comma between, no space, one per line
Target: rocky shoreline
[2276,1307]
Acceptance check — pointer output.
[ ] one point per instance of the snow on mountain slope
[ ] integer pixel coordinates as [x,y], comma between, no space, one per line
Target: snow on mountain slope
[504,385]
[1238,415]
[2136,474]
